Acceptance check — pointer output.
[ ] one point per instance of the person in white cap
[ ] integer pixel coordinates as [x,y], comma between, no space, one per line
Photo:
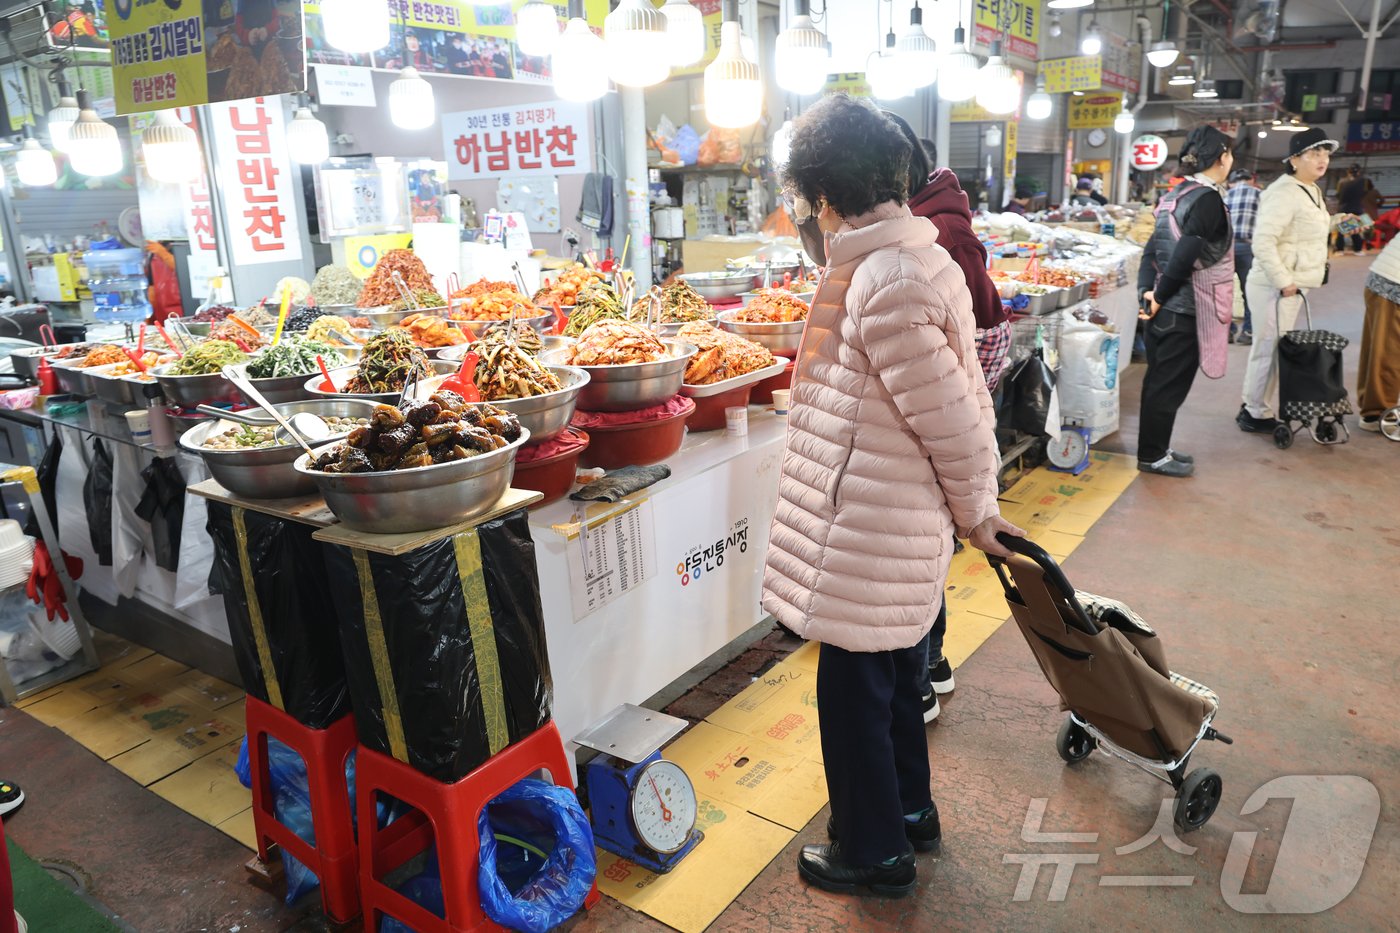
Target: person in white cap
[1290,257]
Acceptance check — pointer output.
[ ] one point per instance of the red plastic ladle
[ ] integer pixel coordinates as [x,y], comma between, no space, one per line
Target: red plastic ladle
[329,384]
[463,381]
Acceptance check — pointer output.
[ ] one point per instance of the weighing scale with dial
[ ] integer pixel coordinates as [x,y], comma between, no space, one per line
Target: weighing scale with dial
[1070,454]
[643,807]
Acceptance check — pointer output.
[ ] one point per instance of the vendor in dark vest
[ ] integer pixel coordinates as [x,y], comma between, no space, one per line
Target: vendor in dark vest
[1187,287]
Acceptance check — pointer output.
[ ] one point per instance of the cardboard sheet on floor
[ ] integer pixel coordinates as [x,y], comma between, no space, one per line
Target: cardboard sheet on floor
[731,766]
[86,693]
[805,657]
[781,706]
[240,827]
[169,751]
[737,846]
[973,586]
[209,788]
[966,633]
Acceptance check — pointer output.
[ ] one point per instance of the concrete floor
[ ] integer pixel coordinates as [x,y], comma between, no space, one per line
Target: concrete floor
[1266,575]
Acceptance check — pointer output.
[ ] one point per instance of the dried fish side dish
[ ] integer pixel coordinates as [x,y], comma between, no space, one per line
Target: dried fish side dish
[443,429]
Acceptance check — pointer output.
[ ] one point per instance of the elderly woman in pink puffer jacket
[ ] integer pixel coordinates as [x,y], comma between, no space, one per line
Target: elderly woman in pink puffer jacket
[890,447]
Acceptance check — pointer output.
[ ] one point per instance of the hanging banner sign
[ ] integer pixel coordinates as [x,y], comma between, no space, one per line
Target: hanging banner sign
[1149,153]
[180,53]
[1009,157]
[1121,63]
[547,138]
[1066,75]
[255,178]
[344,86]
[1373,137]
[1094,111]
[852,84]
[1023,33]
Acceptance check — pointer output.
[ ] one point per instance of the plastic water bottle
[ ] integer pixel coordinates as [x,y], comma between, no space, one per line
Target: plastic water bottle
[117,280]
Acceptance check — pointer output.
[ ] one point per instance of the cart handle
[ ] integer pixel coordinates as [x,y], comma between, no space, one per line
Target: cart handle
[1028,548]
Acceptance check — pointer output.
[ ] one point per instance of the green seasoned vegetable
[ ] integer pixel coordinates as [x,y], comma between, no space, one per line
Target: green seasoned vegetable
[294,356]
[390,360]
[596,302]
[335,285]
[208,358]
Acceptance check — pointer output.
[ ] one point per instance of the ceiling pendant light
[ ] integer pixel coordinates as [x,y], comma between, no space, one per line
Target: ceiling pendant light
[170,149]
[782,144]
[307,139]
[62,117]
[1056,27]
[685,32]
[411,104]
[1092,41]
[578,63]
[34,165]
[993,135]
[356,26]
[884,74]
[1069,4]
[733,89]
[93,145]
[1125,121]
[635,37]
[1039,105]
[998,91]
[536,28]
[957,80]
[1183,75]
[800,61]
[1205,90]
[916,53]
[1163,53]
[1263,134]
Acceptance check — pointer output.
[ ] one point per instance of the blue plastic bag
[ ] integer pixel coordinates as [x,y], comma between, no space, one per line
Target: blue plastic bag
[686,143]
[527,885]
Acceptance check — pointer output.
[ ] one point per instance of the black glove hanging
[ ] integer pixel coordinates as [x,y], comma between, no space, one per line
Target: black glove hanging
[97,499]
[163,505]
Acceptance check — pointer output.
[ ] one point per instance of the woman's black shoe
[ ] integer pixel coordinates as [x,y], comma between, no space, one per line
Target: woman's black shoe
[925,836]
[825,867]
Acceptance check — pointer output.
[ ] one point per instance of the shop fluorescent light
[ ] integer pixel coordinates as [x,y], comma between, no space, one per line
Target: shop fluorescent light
[957,79]
[1092,42]
[93,145]
[884,75]
[1205,90]
[34,165]
[1056,27]
[685,32]
[998,91]
[916,54]
[536,28]
[1183,76]
[62,118]
[580,69]
[170,149]
[800,60]
[635,37]
[993,136]
[1163,53]
[1125,122]
[733,88]
[1069,4]
[1263,134]
[356,26]
[411,105]
[1039,105]
[307,139]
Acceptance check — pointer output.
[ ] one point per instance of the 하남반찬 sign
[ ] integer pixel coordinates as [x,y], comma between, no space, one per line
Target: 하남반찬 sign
[545,138]
[255,178]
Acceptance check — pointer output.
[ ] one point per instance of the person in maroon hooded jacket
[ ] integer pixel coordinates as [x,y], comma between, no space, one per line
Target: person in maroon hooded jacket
[934,193]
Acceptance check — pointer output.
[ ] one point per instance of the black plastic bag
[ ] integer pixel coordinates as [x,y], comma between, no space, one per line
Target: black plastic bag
[1030,391]
[97,500]
[292,598]
[462,685]
[163,506]
[48,484]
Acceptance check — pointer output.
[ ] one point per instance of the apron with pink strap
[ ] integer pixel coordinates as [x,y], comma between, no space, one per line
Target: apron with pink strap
[1214,290]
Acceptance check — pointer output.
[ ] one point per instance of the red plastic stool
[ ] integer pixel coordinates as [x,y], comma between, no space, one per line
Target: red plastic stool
[446,814]
[334,858]
[7,894]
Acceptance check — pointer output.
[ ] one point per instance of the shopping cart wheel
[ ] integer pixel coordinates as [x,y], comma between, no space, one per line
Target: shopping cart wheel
[1074,743]
[1325,431]
[1283,437]
[1197,799]
[1390,424]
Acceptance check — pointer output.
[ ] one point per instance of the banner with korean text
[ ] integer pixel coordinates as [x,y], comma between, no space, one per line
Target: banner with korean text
[1022,32]
[1094,111]
[255,179]
[546,138]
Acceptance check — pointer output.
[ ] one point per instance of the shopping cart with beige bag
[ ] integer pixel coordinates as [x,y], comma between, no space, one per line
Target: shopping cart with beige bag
[1110,670]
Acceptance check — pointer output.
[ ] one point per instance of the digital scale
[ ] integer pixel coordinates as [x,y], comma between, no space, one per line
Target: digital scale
[642,806]
[1070,454]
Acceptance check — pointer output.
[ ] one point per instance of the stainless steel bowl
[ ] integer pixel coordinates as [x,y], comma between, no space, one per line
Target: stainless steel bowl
[343,310]
[72,378]
[780,339]
[631,386]
[671,330]
[115,389]
[381,317]
[189,391]
[277,389]
[547,416]
[805,297]
[418,499]
[202,328]
[719,286]
[477,329]
[765,275]
[26,360]
[342,375]
[267,473]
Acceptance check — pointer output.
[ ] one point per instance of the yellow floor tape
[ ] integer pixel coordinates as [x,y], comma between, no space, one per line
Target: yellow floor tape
[756,761]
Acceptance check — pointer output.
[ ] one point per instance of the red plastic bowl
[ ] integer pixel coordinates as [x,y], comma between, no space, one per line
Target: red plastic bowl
[763,392]
[709,412]
[636,444]
[552,475]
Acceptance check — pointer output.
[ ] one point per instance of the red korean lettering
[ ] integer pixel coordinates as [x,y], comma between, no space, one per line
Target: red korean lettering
[258,173]
[498,152]
[468,150]
[561,145]
[264,220]
[528,146]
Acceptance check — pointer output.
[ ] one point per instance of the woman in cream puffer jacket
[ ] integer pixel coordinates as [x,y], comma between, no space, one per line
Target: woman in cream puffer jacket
[890,446]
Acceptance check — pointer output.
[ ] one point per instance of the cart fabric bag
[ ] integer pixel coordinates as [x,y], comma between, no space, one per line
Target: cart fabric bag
[1311,382]
[445,646]
[280,613]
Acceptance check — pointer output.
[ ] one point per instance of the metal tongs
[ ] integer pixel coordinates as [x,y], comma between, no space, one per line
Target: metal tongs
[654,310]
[404,292]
